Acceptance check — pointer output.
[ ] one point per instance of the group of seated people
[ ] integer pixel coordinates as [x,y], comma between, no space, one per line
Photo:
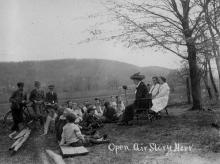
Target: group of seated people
[77,124]
[91,117]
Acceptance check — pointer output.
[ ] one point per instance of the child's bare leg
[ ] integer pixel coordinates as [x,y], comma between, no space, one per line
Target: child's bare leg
[47,123]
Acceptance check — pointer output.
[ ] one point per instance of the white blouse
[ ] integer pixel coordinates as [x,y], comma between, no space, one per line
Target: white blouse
[164,90]
[154,90]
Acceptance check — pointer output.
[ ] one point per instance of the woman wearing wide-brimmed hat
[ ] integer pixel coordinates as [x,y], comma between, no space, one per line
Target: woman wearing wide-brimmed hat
[140,99]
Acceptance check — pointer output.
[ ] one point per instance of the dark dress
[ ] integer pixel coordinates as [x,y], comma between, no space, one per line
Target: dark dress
[140,101]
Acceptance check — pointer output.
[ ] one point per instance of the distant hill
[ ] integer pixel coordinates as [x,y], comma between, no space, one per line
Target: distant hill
[73,74]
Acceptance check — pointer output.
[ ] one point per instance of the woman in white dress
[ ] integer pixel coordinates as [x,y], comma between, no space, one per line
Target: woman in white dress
[154,90]
[161,99]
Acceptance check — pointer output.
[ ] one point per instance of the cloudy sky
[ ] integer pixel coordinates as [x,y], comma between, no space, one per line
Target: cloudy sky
[52,29]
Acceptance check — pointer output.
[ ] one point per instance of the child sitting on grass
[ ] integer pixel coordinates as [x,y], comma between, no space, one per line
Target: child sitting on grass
[61,122]
[109,114]
[90,120]
[72,135]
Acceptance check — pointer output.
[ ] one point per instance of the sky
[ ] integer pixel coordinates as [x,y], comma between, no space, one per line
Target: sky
[52,29]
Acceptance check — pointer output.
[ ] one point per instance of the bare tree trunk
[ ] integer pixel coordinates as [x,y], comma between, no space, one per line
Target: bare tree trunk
[188,90]
[217,60]
[205,78]
[194,76]
[212,80]
[208,88]
[215,48]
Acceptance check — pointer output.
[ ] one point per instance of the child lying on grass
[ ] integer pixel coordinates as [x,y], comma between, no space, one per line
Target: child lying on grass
[72,135]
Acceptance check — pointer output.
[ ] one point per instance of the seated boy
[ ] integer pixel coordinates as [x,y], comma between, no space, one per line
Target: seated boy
[72,135]
[61,122]
[109,114]
[90,120]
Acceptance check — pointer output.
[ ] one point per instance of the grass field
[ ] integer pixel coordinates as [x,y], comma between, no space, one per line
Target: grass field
[181,126]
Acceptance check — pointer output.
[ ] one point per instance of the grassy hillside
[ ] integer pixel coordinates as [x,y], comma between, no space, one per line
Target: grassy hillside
[73,75]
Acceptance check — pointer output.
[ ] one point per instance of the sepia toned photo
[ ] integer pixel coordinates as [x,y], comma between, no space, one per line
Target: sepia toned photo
[109,81]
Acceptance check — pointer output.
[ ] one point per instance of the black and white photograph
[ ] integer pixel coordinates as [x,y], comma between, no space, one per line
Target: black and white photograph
[110,81]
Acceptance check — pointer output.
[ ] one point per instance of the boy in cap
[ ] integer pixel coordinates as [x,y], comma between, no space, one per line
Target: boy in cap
[51,107]
[37,98]
[18,100]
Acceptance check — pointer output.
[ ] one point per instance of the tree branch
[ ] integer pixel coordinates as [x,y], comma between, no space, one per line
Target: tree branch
[149,34]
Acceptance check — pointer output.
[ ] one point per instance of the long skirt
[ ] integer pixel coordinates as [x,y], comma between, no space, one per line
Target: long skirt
[128,113]
[159,103]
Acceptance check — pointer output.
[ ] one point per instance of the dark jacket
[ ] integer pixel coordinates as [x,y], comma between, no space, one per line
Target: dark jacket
[36,95]
[51,97]
[16,105]
[142,97]
[17,97]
